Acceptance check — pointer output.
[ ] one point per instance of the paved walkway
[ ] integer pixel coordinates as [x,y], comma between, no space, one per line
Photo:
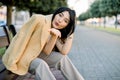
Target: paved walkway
[96,55]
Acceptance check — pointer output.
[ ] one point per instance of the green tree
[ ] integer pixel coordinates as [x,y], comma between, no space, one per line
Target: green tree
[92,12]
[49,6]
[113,9]
[94,9]
[84,16]
[103,7]
[110,8]
[39,6]
[36,6]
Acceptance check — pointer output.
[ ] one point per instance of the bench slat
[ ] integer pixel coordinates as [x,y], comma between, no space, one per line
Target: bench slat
[3,41]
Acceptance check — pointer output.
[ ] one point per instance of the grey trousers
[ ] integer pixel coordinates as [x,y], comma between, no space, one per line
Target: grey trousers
[41,67]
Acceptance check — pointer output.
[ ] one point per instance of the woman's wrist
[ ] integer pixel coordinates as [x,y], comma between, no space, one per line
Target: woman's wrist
[55,32]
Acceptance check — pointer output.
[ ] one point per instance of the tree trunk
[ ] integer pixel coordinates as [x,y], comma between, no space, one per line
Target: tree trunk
[104,21]
[9,15]
[116,22]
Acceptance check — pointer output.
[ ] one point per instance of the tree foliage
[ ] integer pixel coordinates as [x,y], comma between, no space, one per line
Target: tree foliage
[94,9]
[33,6]
[84,16]
[102,8]
[37,6]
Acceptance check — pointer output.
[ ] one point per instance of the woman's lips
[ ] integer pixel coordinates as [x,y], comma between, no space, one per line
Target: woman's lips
[56,24]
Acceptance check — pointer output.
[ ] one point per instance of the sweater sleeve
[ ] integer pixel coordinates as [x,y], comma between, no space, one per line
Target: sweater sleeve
[19,43]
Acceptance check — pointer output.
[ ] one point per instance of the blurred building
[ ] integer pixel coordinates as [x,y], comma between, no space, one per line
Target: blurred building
[3,11]
[20,17]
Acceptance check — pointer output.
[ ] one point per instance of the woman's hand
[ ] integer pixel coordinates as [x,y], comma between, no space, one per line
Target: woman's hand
[52,40]
[55,32]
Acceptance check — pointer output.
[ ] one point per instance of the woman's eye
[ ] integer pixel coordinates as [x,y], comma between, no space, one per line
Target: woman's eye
[66,21]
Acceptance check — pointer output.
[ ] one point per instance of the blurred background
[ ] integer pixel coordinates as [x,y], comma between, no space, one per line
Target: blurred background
[96,47]
[95,12]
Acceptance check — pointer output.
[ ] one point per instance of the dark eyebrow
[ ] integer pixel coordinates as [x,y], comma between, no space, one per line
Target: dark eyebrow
[62,13]
[65,17]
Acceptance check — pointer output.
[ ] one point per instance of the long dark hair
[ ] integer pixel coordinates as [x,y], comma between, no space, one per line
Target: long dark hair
[69,29]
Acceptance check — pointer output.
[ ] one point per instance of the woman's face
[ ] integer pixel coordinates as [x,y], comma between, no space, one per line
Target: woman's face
[61,20]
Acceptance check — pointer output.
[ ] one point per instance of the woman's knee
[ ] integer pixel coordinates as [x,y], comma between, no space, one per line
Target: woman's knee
[36,63]
[54,59]
[41,62]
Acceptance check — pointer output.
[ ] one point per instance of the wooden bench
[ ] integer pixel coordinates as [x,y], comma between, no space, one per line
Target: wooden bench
[4,37]
[4,42]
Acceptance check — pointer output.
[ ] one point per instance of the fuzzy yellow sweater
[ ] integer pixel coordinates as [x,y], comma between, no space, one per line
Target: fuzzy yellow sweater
[27,44]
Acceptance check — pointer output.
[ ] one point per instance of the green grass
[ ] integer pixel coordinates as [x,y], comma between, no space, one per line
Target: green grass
[107,29]
[110,29]
[2,51]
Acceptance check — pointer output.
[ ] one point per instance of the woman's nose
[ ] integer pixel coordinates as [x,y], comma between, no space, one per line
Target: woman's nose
[60,20]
